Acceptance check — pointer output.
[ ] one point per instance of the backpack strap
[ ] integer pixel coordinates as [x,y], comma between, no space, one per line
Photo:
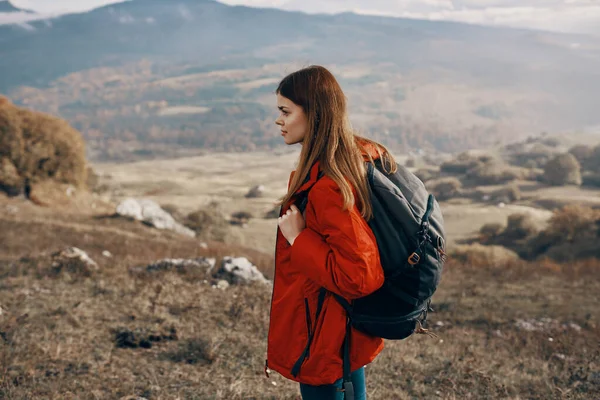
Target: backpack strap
[347,385]
[302,197]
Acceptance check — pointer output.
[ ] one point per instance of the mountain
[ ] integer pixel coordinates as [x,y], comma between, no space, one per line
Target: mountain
[7,7]
[414,82]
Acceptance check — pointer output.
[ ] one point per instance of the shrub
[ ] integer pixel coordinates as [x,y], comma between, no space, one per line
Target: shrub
[460,165]
[445,188]
[564,169]
[491,231]
[508,194]
[40,147]
[208,223]
[10,181]
[519,226]
[575,222]
[493,172]
[581,152]
[426,174]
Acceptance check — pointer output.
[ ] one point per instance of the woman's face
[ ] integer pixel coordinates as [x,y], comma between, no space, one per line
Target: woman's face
[292,120]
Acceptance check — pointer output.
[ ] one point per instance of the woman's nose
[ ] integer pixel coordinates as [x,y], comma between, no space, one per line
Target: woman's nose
[279,122]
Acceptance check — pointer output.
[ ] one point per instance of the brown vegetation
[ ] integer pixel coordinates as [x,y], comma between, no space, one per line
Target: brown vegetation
[507,194]
[506,329]
[209,223]
[445,188]
[564,169]
[573,233]
[35,147]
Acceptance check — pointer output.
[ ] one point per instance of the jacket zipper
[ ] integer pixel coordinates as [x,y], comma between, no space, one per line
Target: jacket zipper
[308,324]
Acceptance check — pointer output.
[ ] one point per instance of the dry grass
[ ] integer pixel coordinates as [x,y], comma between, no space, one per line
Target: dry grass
[171,335]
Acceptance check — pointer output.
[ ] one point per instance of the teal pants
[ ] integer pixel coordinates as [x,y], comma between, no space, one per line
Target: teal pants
[331,392]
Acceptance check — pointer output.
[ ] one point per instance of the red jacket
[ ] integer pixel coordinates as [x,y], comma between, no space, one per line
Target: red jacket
[337,250]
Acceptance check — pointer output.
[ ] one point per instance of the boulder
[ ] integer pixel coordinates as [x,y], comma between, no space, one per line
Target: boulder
[239,271]
[151,214]
[74,261]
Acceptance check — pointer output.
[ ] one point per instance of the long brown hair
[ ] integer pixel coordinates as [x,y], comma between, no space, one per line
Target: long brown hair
[330,139]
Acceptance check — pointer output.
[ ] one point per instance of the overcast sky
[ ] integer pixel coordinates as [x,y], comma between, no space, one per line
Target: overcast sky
[561,15]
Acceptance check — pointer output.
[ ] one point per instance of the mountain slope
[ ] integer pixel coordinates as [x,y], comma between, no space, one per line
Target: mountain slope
[443,84]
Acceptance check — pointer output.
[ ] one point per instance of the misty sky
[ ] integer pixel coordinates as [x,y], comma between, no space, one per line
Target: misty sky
[561,15]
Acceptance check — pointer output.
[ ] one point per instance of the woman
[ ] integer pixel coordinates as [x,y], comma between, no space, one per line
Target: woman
[328,246]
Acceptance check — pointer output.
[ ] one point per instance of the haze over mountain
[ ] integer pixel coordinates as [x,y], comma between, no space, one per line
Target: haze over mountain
[416,82]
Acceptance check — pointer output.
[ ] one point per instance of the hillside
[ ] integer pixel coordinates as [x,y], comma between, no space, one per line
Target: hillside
[156,77]
[505,330]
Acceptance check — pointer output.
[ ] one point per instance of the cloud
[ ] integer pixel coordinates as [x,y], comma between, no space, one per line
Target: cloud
[556,15]
[18,17]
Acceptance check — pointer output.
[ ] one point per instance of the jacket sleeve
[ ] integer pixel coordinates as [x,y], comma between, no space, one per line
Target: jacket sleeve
[343,256]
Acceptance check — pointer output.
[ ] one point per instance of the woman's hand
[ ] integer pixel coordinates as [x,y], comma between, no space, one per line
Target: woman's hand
[291,224]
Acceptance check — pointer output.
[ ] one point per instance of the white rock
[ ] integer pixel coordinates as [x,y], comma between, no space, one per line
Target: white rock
[152,214]
[222,284]
[107,254]
[239,270]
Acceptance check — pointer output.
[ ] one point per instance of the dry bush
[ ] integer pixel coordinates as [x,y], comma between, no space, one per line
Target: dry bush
[575,222]
[490,231]
[519,226]
[10,181]
[493,172]
[445,188]
[550,142]
[460,165]
[40,147]
[410,163]
[425,174]
[208,223]
[508,194]
[537,153]
[534,174]
[564,169]
[573,233]
[478,254]
[581,152]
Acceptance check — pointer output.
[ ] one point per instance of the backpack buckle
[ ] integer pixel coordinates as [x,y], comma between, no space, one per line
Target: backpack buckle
[414,259]
[440,244]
